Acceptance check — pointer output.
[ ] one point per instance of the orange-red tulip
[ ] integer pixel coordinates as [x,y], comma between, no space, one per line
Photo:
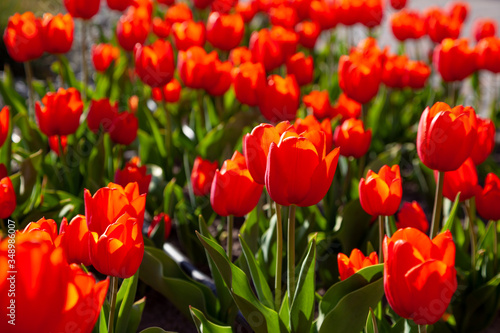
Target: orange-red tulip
[4,124]
[484,28]
[346,107]
[240,55]
[57,33]
[458,10]
[324,13]
[417,74]
[348,12]
[248,80]
[7,197]
[463,180]
[394,73]
[419,274]
[265,50]
[446,136]
[54,143]
[398,4]
[287,40]
[356,261]
[47,230]
[311,124]
[123,129]
[101,112]
[319,102]
[119,5]
[352,138]
[202,175]
[411,215]
[156,220]
[170,93]
[161,28]
[488,53]
[133,27]
[133,173]
[299,170]
[196,67]
[301,7]
[74,239]
[247,10]
[23,37]
[222,78]
[188,34]
[84,9]
[454,59]
[487,198]
[103,55]
[225,31]
[380,194]
[234,192]
[179,12]
[155,63]
[372,13]
[283,15]
[279,99]
[485,140]
[61,113]
[301,67]
[440,26]
[308,32]
[407,24]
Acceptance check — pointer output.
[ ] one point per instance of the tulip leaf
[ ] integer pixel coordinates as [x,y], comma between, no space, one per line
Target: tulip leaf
[127,302]
[136,315]
[103,326]
[346,304]
[150,123]
[260,317]
[10,95]
[451,218]
[203,325]
[284,311]
[353,220]
[302,310]
[371,323]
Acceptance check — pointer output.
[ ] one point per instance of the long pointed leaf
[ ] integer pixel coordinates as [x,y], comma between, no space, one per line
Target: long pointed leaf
[203,325]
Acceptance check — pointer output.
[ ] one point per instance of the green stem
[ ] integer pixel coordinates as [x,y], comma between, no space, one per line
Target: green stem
[62,157]
[291,255]
[495,247]
[438,204]
[112,303]
[422,328]
[347,181]
[201,108]
[85,70]
[61,74]
[472,235]
[230,223]
[279,257]
[31,91]
[381,235]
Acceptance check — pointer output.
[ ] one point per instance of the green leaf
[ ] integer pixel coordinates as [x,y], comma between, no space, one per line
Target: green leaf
[284,311]
[449,222]
[203,325]
[103,327]
[136,315]
[371,323]
[353,220]
[302,310]
[127,302]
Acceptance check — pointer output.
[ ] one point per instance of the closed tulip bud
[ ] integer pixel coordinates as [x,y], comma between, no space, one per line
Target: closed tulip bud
[279,99]
[248,80]
[287,40]
[84,9]
[156,221]
[170,93]
[324,13]
[352,138]
[240,55]
[419,274]
[446,136]
[488,197]
[234,192]
[133,173]
[7,197]
[347,108]
[265,50]
[23,37]
[4,124]
[299,169]
[178,13]
[308,32]
[484,28]
[155,63]
[222,78]
[103,55]
[454,59]
[54,144]
[202,175]
[161,28]
[398,4]
[74,239]
[407,24]
[485,140]
[394,72]
[348,12]
[101,113]
[372,13]
[47,230]
[417,74]
[440,26]
[225,31]
[133,27]
[196,67]
[411,215]
[57,33]
[301,67]
[188,34]
[61,113]
[119,5]
[284,16]
[463,180]
[123,129]
[380,194]
[350,265]
[458,10]
[311,124]
[488,53]
[319,103]
[247,10]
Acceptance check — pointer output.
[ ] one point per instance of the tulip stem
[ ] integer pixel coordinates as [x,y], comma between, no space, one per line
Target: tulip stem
[230,223]
[495,247]
[201,109]
[291,255]
[438,204]
[31,91]
[112,303]
[85,70]
[422,328]
[279,257]
[381,233]
[472,234]
[61,74]
[62,156]
[168,127]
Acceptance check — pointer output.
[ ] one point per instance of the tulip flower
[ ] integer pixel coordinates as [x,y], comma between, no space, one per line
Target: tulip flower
[222,78]
[225,31]
[484,28]
[380,194]
[196,67]
[310,124]
[347,108]
[308,32]
[485,140]
[419,274]
[279,99]
[101,112]
[446,136]
[454,59]
[169,93]
[123,129]
[23,37]
[222,6]
[458,10]
[109,203]
[299,170]
[103,55]
[202,4]
[411,215]
[247,10]
[301,67]
[417,74]
[372,13]
[287,40]
[156,220]
[74,239]
[398,4]
[188,34]
[57,33]
[7,197]
[463,180]
[488,197]
[202,176]
[352,138]
[47,230]
[155,63]
[133,173]
[348,14]
[133,27]
[302,8]
[356,261]
[240,55]
[234,192]
[4,124]
[248,80]
[407,24]
[265,50]
[61,112]
[488,52]
[161,28]
[440,26]
[84,9]
[54,143]
[319,103]
[178,13]
[283,15]
[119,5]
[394,71]
[324,13]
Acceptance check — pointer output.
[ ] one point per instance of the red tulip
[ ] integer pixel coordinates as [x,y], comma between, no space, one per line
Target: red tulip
[279,99]
[240,55]
[411,215]
[133,173]
[324,13]
[407,24]
[398,4]
[299,170]
[225,31]
[23,37]
[394,73]
[54,144]
[301,67]
[74,239]
[156,220]
[446,136]
[247,10]
[196,67]
[283,15]
[454,59]
[417,74]
[485,140]
[248,80]
[7,197]
[488,53]
[133,27]
[463,180]
[380,194]
[372,13]
[484,28]
[61,113]
[57,33]
[169,93]
[308,33]
[4,124]
[419,274]
[301,7]
[319,102]
[440,26]
[487,198]
[123,129]
[101,112]
[347,108]
[202,4]
[179,12]
[311,124]
[458,10]
[222,77]
[265,50]
[234,192]
[119,5]
[161,28]
[286,39]
[202,175]
[166,2]
[356,261]
[352,138]
[103,55]
[84,9]
[46,229]
[223,6]
[348,12]
[188,34]
[155,63]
